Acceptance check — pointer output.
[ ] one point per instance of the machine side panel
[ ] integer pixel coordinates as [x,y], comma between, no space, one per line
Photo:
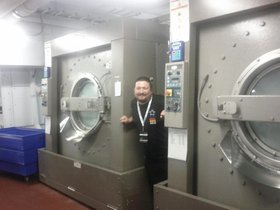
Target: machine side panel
[140,61]
[137,59]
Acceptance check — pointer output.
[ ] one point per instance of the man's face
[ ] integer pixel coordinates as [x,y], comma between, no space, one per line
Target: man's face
[142,91]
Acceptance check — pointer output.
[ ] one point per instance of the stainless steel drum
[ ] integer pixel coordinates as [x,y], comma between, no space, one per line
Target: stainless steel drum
[259,138]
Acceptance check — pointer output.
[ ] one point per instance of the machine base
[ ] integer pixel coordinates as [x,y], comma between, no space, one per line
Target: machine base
[171,199]
[95,186]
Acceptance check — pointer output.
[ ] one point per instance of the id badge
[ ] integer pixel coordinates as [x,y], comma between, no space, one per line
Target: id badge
[143,137]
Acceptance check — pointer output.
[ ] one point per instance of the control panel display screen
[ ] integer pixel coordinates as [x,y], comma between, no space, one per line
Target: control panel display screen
[177,51]
[173,89]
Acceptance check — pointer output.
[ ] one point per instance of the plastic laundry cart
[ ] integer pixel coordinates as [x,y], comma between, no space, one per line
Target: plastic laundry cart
[18,150]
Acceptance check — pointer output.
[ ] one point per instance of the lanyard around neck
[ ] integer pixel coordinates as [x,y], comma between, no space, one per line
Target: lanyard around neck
[146,114]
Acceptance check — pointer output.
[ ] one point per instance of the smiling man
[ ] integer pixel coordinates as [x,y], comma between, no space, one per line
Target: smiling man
[147,114]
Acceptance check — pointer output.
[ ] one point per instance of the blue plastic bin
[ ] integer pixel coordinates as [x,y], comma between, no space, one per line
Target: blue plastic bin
[18,149]
[22,138]
[23,170]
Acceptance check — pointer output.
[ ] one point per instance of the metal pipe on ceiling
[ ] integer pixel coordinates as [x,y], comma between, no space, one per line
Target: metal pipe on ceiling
[29,7]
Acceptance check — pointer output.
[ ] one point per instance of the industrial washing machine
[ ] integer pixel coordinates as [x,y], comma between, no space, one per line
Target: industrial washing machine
[235,63]
[87,87]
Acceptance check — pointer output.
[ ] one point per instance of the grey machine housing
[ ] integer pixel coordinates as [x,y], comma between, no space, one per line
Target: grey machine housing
[233,116]
[89,154]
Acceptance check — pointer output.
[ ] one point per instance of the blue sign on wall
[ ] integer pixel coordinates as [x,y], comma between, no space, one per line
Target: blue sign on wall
[177,51]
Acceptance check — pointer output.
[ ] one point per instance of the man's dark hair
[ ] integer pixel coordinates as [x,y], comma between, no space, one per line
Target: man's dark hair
[143,78]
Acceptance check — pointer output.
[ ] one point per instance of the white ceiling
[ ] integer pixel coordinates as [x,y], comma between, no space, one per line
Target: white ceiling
[91,9]
[78,14]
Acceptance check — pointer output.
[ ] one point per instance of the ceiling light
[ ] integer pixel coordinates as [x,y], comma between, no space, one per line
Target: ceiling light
[76,41]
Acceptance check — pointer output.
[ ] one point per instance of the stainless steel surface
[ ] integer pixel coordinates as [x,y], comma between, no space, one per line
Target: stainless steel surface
[254,164]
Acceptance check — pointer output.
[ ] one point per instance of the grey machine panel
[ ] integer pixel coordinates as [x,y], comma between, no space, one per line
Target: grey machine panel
[237,164]
[234,52]
[93,157]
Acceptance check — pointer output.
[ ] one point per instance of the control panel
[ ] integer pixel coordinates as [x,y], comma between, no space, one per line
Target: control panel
[45,91]
[44,95]
[175,99]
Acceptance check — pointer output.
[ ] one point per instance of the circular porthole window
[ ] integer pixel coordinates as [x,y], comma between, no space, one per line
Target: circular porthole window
[259,141]
[88,86]
[267,132]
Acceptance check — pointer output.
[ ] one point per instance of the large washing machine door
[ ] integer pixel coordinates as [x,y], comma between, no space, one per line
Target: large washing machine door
[85,106]
[254,111]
